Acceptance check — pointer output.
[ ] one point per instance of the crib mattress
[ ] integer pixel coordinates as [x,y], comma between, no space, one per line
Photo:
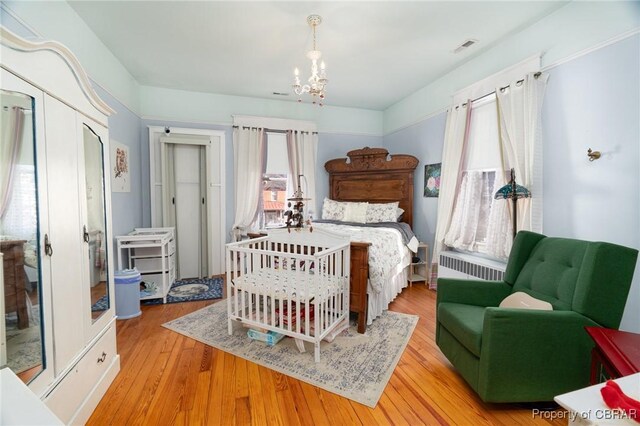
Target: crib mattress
[287,284]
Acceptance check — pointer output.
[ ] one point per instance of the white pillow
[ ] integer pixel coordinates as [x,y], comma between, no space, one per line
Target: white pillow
[385,212]
[355,212]
[333,210]
[399,213]
[521,300]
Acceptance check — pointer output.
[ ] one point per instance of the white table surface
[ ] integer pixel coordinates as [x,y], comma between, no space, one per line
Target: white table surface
[587,403]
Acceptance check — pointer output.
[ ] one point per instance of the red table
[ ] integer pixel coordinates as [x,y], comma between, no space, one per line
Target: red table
[617,352]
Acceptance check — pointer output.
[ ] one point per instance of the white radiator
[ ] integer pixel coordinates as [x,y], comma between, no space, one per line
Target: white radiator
[461,265]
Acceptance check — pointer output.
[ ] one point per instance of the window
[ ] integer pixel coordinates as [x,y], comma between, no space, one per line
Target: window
[274,191]
[479,222]
[15,222]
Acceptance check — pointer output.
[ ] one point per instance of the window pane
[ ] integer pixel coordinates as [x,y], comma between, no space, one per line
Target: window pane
[274,191]
[483,147]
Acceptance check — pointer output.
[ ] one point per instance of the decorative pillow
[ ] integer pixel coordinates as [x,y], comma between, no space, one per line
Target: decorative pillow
[382,212]
[333,210]
[399,213]
[521,300]
[355,212]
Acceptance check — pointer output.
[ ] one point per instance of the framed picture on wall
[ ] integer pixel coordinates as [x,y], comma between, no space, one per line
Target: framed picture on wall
[432,180]
[120,175]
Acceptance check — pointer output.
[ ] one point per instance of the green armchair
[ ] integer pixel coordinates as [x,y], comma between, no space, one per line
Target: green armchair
[523,355]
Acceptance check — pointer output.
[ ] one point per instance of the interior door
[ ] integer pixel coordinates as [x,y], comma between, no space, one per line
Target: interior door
[212,184]
[185,205]
[189,202]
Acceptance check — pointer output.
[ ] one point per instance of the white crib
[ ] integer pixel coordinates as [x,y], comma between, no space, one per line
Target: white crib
[295,283]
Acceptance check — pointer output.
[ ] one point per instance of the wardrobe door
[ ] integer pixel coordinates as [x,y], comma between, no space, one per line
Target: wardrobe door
[97,271]
[65,231]
[26,348]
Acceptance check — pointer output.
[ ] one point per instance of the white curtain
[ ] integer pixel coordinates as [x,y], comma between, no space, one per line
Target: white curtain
[519,109]
[480,222]
[249,162]
[9,154]
[453,152]
[302,149]
[499,237]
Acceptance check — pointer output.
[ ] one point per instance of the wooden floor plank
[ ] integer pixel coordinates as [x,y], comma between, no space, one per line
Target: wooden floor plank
[167,378]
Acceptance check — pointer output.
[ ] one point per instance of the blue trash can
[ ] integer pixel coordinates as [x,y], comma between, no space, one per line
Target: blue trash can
[127,293]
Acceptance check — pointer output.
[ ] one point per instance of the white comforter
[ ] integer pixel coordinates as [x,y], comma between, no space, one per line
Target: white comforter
[387,253]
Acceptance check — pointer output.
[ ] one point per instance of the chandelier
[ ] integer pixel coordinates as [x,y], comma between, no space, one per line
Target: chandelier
[318,79]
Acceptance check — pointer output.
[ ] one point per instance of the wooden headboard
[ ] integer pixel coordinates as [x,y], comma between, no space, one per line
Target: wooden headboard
[370,176]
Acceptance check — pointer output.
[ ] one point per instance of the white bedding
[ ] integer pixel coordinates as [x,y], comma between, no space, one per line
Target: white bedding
[388,260]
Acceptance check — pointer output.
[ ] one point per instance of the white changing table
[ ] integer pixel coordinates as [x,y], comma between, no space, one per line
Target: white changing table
[152,251]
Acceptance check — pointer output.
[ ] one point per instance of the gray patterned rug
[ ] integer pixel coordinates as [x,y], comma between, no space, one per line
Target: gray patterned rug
[356,366]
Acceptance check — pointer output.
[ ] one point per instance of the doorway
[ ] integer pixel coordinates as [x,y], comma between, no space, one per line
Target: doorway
[187,193]
[184,202]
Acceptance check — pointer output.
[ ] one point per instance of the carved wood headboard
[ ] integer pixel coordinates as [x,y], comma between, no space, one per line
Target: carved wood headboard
[369,176]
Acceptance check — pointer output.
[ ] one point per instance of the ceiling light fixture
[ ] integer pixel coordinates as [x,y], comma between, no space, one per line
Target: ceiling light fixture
[318,79]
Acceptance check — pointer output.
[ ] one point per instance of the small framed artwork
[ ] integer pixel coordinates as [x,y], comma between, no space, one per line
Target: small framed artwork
[120,175]
[432,180]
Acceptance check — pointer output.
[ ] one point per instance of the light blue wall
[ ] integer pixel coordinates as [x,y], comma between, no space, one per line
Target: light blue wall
[577,26]
[330,146]
[124,127]
[56,20]
[423,140]
[594,102]
[591,102]
[212,108]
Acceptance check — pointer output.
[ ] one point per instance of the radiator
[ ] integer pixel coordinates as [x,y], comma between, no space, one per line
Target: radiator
[461,265]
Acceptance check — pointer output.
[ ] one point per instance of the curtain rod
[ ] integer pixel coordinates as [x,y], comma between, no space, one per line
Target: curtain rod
[502,89]
[266,129]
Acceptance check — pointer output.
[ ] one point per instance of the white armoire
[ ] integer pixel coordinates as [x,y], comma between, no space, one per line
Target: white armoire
[68,255]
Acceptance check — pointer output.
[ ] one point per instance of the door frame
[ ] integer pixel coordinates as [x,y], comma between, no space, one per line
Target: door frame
[157,132]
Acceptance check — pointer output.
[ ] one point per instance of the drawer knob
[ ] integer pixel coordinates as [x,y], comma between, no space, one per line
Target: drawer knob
[102,358]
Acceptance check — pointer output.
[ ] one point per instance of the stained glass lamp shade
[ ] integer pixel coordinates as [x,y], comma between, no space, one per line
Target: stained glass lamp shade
[513,191]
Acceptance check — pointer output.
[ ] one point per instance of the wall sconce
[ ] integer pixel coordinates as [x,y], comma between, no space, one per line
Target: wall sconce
[593,155]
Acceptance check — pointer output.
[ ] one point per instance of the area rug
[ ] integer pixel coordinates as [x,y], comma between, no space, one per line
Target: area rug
[191,290]
[356,366]
[24,347]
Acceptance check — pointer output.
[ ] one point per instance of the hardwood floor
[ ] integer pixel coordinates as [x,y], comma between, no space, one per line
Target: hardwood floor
[167,378]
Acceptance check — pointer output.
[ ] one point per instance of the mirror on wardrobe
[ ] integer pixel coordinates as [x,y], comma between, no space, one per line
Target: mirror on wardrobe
[21,334]
[94,229]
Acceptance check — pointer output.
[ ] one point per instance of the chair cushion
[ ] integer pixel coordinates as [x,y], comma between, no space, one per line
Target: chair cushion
[521,300]
[464,322]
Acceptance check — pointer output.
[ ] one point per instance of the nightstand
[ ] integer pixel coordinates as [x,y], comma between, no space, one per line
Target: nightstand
[616,354]
[419,271]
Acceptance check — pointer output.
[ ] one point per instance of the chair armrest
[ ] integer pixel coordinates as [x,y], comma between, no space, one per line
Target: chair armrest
[548,350]
[501,325]
[472,292]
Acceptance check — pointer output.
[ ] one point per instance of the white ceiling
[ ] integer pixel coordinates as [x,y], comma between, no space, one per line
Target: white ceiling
[376,52]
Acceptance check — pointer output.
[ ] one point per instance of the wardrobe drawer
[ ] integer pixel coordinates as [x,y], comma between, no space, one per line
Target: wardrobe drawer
[68,395]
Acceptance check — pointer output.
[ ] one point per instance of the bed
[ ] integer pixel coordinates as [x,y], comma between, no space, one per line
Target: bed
[372,175]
